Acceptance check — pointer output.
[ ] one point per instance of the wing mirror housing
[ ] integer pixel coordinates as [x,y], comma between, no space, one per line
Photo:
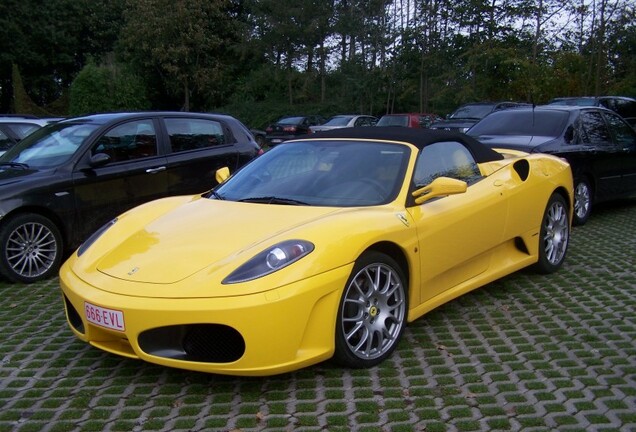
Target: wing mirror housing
[441,186]
[222,174]
[99,160]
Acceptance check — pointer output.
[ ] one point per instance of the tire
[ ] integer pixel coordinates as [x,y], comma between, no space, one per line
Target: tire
[582,201]
[554,236]
[372,312]
[31,248]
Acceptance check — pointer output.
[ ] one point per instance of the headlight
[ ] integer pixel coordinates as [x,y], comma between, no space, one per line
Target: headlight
[270,260]
[97,234]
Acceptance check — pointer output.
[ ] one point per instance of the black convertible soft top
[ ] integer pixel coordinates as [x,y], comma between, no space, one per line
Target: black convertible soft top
[418,137]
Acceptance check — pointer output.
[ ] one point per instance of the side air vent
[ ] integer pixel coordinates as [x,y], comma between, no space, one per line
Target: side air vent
[522,167]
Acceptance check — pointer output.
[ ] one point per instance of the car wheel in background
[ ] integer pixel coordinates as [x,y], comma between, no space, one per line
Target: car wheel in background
[31,248]
[582,201]
[554,236]
[372,312]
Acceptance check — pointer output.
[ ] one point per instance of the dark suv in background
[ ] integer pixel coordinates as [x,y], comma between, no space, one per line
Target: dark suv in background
[67,179]
[599,145]
[623,106]
[467,115]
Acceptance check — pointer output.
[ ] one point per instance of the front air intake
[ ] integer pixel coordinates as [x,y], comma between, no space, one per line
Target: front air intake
[209,343]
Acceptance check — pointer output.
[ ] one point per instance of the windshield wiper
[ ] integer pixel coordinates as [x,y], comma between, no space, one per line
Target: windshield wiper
[273,200]
[15,165]
[217,195]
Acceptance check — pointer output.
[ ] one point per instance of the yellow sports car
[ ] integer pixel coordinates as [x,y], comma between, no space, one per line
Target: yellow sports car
[324,247]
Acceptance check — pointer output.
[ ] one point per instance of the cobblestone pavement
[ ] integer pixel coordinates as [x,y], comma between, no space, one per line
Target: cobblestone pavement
[526,353]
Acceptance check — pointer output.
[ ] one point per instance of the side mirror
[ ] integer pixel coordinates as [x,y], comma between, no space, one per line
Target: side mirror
[99,160]
[441,186]
[222,174]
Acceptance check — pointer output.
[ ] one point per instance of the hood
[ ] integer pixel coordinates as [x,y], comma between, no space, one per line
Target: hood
[454,123]
[201,234]
[516,142]
[10,175]
[324,128]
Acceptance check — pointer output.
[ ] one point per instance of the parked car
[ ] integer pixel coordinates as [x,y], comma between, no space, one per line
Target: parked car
[623,106]
[467,115]
[290,127]
[260,137]
[343,121]
[367,229]
[68,178]
[15,127]
[598,143]
[411,120]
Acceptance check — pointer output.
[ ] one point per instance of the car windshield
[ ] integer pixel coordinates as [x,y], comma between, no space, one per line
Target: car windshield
[574,102]
[50,146]
[334,173]
[338,121]
[393,120]
[472,112]
[527,123]
[291,120]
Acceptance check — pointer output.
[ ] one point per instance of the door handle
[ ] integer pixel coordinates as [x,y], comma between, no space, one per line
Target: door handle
[155,170]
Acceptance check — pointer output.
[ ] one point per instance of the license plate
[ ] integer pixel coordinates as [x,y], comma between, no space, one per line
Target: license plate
[103,317]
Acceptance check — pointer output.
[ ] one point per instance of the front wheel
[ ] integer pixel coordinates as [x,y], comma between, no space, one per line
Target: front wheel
[31,248]
[582,202]
[554,236]
[372,312]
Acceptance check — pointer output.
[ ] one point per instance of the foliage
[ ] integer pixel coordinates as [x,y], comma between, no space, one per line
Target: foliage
[22,102]
[184,42]
[264,58]
[109,87]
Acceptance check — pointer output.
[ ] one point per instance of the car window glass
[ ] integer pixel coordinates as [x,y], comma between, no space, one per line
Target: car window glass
[129,141]
[622,133]
[50,146]
[191,134]
[548,123]
[595,128]
[625,108]
[5,142]
[445,159]
[24,129]
[472,111]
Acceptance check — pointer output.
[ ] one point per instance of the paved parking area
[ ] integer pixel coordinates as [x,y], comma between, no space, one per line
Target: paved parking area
[526,353]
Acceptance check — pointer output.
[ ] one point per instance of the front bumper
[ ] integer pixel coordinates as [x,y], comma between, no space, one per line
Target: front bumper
[268,333]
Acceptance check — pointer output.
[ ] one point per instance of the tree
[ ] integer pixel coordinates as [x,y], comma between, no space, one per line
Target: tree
[50,45]
[107,87]
[184,42]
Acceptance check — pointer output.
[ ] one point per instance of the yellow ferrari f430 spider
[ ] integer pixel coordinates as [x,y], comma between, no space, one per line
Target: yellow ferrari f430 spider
[322,248]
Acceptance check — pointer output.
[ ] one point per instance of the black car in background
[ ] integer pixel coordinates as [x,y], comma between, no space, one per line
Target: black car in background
[598,143]
[291,127]
[64,181]
[623,106]
[467,115]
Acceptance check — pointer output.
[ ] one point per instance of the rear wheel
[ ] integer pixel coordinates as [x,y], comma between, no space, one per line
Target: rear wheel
[31,248]
[372,312]
[582,201]
[554,236]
